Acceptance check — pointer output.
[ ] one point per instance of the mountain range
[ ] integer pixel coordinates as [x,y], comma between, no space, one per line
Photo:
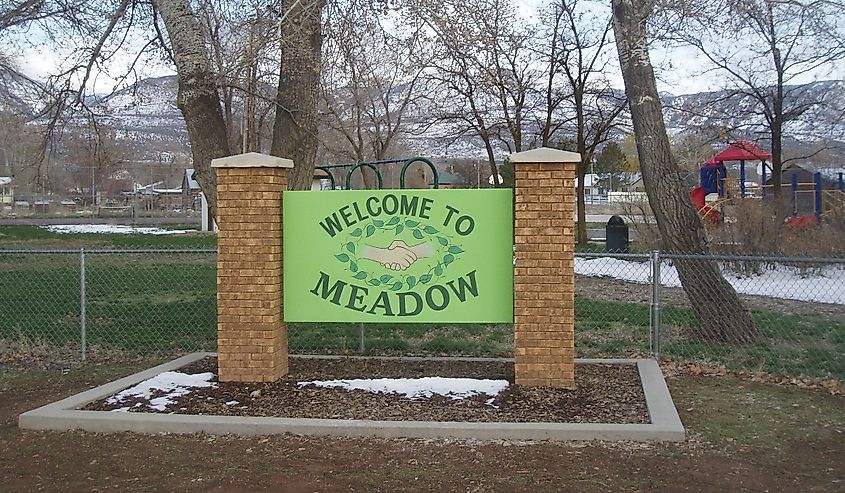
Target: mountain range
[146,115]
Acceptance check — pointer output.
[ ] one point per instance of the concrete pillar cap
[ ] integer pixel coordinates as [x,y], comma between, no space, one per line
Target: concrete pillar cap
[545,155]
[251,160]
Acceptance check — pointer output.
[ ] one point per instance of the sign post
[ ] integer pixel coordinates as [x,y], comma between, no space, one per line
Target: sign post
[252,344]
[544,276]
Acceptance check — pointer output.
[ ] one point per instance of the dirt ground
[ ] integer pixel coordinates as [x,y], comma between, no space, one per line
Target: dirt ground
[744,436]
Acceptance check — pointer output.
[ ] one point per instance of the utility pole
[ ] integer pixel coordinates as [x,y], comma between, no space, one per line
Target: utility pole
[6,159]
[477,174]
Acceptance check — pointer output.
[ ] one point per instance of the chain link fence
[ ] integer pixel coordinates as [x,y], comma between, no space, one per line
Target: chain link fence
[791,319]
[92,302]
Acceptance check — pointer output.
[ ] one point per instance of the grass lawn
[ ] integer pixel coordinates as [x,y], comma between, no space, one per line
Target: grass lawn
[797,345]
[136,302]
[34,237]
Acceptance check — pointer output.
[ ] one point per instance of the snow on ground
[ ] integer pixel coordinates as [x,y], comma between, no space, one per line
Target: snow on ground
[780,282]
[420,388]
[113,229]
[173,383]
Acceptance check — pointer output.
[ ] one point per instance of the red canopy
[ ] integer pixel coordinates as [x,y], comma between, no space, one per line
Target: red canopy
[742,151]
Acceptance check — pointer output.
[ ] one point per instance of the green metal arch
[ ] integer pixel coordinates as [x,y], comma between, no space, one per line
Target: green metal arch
[361,165]
[411,161]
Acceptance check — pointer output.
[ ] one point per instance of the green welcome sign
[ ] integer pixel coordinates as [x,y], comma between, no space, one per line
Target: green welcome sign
[398,256]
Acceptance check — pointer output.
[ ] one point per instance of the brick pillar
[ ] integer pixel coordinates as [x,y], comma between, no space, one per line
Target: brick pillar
[252,338]
[544,276]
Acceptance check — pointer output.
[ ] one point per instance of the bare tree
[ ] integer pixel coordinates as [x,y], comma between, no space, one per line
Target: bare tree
[513,76]
[371,81]
[245,66]
[100,30]
[84,32]
[485,65]
[592,107]
[721,315]
[19,145]
[763,48]
[690,151]
[14,13]
[294,130]
[91,155]
[223,35]
[255,106]
[198,97]
[295,127]
[548,48]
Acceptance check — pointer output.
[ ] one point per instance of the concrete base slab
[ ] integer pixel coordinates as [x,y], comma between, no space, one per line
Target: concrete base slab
[65,415]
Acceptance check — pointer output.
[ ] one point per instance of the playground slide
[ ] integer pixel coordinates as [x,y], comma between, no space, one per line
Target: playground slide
[697,196]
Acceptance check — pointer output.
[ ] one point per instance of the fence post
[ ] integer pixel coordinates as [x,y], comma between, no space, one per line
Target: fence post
[82,331]
[655,304]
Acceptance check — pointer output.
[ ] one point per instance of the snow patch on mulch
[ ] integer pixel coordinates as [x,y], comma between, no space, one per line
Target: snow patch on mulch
[419,388]
[172,384]
[112,229]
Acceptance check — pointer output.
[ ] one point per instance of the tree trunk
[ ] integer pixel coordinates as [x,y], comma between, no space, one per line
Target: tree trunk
[581,203]
[776,126]
[295,128]
[248,120]
[721,315]
[368,176]
[581,168]
[777,157]
[491,159]
[197,96]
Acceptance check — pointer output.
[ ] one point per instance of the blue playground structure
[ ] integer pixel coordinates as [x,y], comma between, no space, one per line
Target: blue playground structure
[811,199]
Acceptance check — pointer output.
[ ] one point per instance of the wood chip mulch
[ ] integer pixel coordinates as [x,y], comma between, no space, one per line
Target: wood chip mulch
[604,394]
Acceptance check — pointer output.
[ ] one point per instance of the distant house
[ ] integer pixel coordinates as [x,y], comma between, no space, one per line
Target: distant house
[448,180]
[169,198]
[190,190]
[635,183]
[321,181]
[591,187]
[7,191]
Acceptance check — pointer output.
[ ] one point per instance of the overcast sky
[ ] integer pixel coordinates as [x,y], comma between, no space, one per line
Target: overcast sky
[679,70]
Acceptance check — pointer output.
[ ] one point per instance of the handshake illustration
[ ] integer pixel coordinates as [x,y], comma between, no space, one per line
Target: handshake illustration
[398,255]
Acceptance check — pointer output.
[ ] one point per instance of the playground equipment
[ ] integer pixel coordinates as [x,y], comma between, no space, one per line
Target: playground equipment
[373,165]
[810,200]
[698,195]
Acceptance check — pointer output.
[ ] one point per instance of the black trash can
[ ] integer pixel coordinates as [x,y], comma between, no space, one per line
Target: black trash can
[616,234]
